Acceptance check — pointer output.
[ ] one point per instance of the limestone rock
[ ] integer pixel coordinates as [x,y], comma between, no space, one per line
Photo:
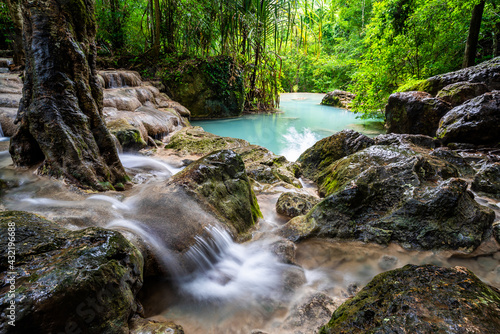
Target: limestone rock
[390,193]
[487,180]
[220,180]
[266,167]
[457,93]
[194,140]
[414,113]
[295,204]
[338,98]
[84,279]
[211,88]
[420,299]
[149,326]
[328,150]
[487,73]
[476,121]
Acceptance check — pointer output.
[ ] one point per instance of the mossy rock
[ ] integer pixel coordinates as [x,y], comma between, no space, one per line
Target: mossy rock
[486,73]
[328,150]
[295,204]
[209,88]
[457,93]
[392,193]
[195,141]
[84,279]
[420,299]
[129,136]
[219,179]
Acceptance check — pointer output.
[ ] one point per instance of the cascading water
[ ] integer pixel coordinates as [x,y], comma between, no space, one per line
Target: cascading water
[297,142]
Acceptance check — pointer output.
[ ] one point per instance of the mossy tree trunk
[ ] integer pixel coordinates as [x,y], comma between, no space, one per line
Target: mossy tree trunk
[62,129]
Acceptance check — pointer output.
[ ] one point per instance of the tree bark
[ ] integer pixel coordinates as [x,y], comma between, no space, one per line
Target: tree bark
[472,39]
[62,129]
[15,13]
[156,45]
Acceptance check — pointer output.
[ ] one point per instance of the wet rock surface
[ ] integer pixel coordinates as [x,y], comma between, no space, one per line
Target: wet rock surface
[338,98]
[487,73]
[328,150]
[219,179]
[487,180]
[476,121]
[84,279]
[395,193]
[295,204]
[414,113]
[460,92]
[420,299]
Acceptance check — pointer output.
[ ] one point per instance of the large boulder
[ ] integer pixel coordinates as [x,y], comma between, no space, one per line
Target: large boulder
[330,149]
[209,88]
[457,93]
[78,281]
[420,299]
[487,73]
[220,181]
[338,98]
[487,180]
[476,121]
[414,113]
[398,194]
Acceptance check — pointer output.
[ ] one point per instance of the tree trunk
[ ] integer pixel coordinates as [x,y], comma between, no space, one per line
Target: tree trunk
[62,129]
[15,13]
[156,46]
[472,39]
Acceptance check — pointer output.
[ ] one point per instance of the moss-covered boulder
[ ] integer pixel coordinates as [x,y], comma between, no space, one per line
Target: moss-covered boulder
[196,141]
[128,135]
[293,204]
[476,121]
[209,88]
[266,167]
[398,194]
[457,93]
[330,149]
[487,73]
[420,299]
[414,113]
[338,98]
[82,280]
[219,180]
[487,180]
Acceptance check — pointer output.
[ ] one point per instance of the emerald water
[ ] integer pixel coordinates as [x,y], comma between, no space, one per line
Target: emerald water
[301,122]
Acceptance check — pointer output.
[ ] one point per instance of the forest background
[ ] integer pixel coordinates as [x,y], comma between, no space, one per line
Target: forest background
[369,47]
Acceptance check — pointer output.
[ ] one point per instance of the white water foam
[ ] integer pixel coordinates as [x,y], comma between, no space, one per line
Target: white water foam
[230,271]
[297,142]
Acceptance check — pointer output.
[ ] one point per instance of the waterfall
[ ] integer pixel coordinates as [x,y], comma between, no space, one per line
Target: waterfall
[1,131]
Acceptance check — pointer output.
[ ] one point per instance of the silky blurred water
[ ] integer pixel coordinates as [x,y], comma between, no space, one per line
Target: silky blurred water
[302,122]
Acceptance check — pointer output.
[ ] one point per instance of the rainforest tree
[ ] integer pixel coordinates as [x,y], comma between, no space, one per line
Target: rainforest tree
[61,126]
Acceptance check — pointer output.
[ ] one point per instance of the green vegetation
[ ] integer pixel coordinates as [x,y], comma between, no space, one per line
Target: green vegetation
[369,47]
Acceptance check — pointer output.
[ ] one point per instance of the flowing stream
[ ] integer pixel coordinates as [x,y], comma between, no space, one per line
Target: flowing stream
[220,286]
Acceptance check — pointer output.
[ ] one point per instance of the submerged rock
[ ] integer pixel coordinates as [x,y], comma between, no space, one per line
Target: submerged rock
[219,179]
[338,98]
[394,193]
[476,121]
[328,150]
[140,325]
[487,180]
[80,280]
[420,299]
[295,204]
[414,113]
